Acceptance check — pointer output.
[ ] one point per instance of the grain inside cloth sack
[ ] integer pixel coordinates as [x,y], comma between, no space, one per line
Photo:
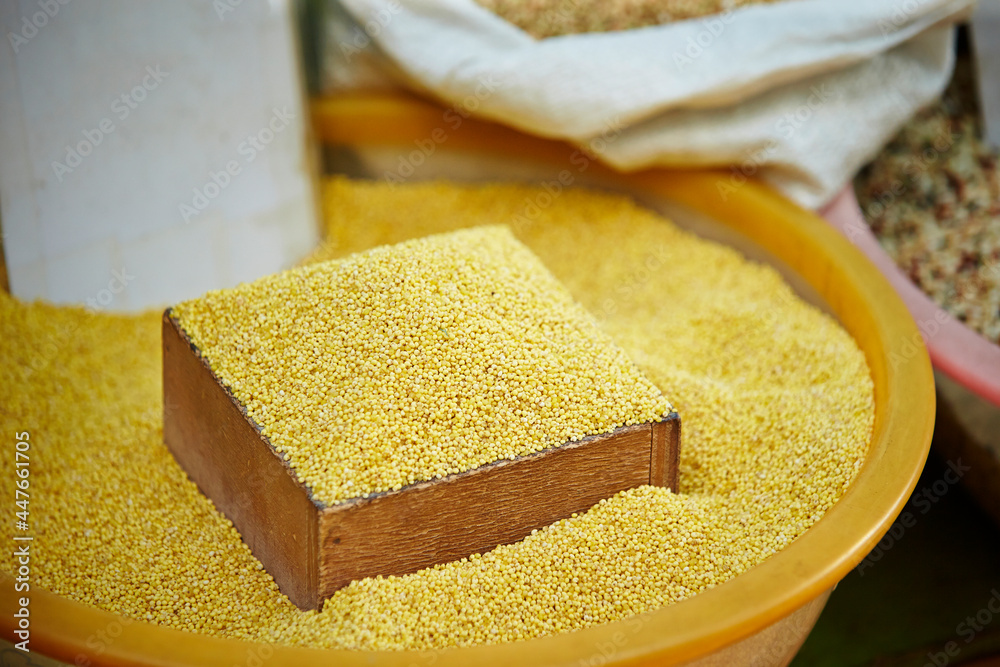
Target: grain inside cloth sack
[769,90]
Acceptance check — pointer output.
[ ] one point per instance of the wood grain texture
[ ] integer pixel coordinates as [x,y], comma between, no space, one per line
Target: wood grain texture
[665,452]
[312,550]
[219,447]
[472,512]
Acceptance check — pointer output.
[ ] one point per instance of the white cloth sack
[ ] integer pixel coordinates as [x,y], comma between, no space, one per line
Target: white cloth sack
[801,93]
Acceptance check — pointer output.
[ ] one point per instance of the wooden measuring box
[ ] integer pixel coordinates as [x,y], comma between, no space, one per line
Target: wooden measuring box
[312,549]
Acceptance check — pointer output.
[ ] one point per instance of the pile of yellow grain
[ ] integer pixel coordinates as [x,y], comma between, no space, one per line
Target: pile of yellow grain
[414,361]
[552,18]
[776,398]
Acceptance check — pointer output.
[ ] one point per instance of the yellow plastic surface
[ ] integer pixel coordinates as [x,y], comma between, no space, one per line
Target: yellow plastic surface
[855,292]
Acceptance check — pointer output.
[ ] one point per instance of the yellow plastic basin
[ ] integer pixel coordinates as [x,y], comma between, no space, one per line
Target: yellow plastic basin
[760,617]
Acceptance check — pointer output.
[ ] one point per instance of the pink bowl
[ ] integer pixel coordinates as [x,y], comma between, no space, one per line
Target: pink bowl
[963,354]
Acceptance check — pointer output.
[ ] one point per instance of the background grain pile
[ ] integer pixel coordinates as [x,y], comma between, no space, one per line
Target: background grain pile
[551,18]
[932,197]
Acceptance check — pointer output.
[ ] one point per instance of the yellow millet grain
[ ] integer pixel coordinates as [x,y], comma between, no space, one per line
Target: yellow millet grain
[777,406]
[416,361]
[116,523]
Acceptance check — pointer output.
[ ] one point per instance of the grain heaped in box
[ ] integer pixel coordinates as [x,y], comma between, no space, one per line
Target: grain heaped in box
[405,406]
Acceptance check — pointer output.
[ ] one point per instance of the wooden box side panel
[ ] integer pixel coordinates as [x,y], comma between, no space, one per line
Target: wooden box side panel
[236,467]
[473,512]
[665,454]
